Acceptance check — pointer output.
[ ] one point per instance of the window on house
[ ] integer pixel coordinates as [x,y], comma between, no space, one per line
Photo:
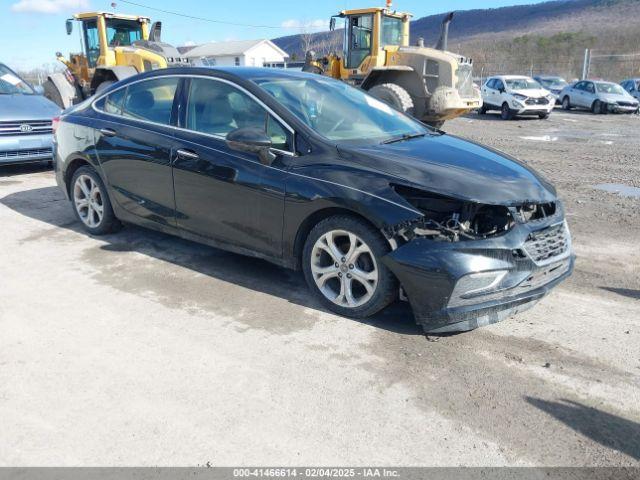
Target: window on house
[237,62]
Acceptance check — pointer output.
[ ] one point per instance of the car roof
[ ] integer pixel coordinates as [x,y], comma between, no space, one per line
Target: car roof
[511,77]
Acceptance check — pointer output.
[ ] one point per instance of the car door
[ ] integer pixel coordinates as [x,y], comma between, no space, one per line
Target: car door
[576,94]
[590,94]
[499,92]
[224,194]
[134,146]
[488,92]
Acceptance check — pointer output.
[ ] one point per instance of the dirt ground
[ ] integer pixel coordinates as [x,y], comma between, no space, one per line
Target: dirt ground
[142,349]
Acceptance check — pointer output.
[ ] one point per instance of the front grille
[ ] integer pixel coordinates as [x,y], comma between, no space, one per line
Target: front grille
[37,152]
[537,101]
[27,127]
[465,81]
[545,245]
[627,104]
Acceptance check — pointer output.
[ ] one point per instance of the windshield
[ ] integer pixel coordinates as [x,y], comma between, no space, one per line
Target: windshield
[609,88]
[339,112]
[391,31]
[122,33]
[11,84]
[555,83]
[522,84]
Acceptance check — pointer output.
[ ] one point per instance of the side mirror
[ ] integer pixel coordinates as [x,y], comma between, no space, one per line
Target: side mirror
[501,90]
[69,25]
[332,24]
[252,140]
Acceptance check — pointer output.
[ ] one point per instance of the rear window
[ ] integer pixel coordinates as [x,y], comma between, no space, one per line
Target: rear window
[150,100]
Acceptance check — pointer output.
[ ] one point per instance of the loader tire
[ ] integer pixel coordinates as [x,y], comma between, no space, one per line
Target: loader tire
[394,96]
[51,92]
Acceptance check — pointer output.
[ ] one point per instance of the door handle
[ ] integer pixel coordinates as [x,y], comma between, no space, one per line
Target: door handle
[187,154]
[107,132]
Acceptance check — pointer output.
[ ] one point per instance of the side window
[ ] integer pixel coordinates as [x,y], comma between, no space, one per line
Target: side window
[589,87]
[499,85]
[91,42]
[150,100]
[280,137]
[579,86]
[218,108]
[113,102]
[489,83]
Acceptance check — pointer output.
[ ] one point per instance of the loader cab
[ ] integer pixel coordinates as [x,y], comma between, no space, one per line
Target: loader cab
[368,33]
[100,33]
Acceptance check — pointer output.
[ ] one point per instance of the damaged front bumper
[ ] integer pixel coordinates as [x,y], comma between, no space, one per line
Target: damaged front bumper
[459,286]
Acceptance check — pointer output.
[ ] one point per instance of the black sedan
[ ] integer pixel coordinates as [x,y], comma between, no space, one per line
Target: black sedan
[310,173]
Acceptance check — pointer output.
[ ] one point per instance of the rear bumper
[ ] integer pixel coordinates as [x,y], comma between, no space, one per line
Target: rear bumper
[432,273]
[25,148]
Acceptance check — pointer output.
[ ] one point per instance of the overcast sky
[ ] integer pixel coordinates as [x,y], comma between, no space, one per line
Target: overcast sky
[31,31]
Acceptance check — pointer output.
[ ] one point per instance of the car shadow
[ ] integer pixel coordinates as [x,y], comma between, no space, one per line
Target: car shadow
[625,292]
[24,168]
[605,428]
[48,205]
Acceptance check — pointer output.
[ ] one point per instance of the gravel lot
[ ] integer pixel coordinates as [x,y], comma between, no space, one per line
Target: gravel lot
[142,349]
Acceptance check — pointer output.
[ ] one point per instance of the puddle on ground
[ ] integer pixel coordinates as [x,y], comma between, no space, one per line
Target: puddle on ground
[574,136]
[620,189]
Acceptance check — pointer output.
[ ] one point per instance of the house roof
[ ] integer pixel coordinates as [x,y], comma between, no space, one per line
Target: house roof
[221,49]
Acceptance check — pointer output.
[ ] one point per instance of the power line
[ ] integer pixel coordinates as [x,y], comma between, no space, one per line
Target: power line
[223,22]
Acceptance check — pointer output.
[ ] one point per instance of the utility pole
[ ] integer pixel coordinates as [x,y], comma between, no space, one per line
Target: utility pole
[586,64]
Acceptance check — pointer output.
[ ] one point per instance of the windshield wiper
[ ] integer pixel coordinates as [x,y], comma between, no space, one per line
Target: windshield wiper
[403,137]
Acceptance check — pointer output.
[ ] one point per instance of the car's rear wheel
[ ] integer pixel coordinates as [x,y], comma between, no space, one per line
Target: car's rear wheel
[566,103]
[505,112]
[342,266]
[91,202]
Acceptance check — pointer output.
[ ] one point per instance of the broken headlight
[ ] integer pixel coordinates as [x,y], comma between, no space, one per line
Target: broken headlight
[450,219]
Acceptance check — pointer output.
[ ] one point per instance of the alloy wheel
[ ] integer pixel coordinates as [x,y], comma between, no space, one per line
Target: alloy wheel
[88,201]
[344,268]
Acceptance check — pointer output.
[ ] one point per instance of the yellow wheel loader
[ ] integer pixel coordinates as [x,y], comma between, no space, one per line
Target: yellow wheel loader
[432,84]
[114,47]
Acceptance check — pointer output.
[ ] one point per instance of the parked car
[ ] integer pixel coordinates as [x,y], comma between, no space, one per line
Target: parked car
[599,97]
[552,83]
[310,173]
[25,121]
[632,86]
[516,95]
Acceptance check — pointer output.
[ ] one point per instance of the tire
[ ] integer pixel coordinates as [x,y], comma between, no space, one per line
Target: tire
[566,103]
[482,110]
[341,231]
[103,86]
[51,93]
[394,96]
[505,112]
[596,107]
[99,225]
[543,116]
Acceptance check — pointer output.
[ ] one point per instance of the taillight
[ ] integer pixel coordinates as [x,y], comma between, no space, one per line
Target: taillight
[54,124]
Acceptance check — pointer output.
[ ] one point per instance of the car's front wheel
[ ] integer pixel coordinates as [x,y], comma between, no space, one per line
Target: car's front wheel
[505,112]
[342,266]
[91,202]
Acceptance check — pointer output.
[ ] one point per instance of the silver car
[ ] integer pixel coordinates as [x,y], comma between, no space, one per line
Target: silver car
[599,97]
[632,85]
[25,121]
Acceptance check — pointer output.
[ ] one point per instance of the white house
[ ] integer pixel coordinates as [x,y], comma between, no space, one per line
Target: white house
[251,53]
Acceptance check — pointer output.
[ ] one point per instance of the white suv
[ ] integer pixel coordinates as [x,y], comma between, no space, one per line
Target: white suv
[516,95]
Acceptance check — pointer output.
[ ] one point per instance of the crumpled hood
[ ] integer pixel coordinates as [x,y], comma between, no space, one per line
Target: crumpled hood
[533,93]
[454,167]
[615,97]
[26,107]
